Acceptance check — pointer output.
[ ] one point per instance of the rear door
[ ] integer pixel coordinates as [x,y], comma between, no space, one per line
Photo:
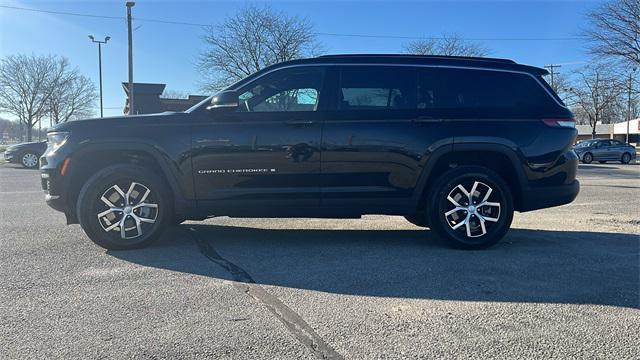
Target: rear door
[265,153]
[374,139]
[617,149]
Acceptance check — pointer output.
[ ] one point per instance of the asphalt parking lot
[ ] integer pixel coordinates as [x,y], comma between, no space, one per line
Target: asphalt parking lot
[564,283]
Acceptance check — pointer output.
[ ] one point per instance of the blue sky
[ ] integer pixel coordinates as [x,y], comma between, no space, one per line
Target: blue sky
[167,53]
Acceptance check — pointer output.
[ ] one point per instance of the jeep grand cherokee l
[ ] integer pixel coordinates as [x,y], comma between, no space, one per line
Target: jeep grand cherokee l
[451,143]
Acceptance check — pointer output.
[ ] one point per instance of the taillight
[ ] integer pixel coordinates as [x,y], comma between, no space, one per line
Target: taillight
[566,123]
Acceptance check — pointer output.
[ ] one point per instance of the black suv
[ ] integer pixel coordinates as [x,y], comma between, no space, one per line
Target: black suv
[451,143]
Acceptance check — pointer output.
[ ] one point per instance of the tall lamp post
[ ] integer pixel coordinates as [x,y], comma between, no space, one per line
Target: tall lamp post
[630,90]
[100,64]
[129,5]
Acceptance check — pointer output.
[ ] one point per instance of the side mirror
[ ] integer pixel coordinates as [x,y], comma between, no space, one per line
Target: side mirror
[225,99]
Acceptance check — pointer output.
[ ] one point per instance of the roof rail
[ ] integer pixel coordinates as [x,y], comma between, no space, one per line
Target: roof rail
[444,57]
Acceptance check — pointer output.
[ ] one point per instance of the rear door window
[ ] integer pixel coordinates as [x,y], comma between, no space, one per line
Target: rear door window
[376,88]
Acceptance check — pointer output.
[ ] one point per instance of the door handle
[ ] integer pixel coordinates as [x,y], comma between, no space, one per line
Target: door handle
[426,119]
[298,122]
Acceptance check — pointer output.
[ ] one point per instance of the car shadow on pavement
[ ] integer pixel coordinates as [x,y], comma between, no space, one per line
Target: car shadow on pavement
[533,266]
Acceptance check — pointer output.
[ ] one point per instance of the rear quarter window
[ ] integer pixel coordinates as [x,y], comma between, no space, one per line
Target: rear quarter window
[482,93]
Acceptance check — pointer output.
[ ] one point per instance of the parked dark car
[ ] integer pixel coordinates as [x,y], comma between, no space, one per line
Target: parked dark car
[26,154]
[603,150]
[451,143]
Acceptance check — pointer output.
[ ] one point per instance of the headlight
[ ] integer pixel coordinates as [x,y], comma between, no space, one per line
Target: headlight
[56,139]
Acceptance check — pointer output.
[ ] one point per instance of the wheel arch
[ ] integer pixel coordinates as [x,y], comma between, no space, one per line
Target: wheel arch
[87,160]
[498,157]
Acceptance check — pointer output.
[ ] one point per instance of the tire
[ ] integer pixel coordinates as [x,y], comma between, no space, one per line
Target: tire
[460,229]
[418,219]
[602,161]
[626,158]
[142,224]
[29,160]
[587,158]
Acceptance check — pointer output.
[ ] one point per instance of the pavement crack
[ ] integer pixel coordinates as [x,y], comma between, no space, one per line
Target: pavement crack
[292,321]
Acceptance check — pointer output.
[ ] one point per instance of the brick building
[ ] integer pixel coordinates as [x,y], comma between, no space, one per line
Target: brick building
[147,99]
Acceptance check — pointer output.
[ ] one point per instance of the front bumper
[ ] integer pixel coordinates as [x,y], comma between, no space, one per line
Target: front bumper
[53,183]
[10,156]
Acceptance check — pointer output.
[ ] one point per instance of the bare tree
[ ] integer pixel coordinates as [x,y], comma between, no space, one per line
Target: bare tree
[448,45]
[615,30]
[564,87]
[26,86]
[73,97]
[596,95]
[250,40]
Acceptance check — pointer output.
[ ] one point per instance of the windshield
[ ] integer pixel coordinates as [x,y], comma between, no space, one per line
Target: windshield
[585,143]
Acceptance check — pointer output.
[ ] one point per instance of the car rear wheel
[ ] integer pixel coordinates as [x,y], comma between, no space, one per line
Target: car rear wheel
[29,160]
[587,158]
[473,207]
[626,158]
[124,207]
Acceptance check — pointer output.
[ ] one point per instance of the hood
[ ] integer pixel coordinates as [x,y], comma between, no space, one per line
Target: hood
[26,144]
[114,120]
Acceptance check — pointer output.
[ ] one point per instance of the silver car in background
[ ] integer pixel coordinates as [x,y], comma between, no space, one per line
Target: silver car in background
[603,150]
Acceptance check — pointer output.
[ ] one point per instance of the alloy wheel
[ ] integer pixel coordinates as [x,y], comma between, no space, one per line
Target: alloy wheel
[472,211]
[130,214]
[29,160]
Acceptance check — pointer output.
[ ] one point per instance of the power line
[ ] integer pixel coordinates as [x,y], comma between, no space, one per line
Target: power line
[62,12]
[373,36]
[440,37]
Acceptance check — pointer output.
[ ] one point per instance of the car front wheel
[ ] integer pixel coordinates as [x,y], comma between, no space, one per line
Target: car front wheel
[473,207]
[587,158]
[29,160]
[124,207]
[626,158]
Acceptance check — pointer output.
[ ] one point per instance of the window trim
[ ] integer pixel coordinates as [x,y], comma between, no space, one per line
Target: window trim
[413,66]
[242,83]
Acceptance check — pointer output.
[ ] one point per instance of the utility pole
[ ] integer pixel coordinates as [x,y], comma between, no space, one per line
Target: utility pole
[629,91]
[552,73]
[100,64]
[130,4]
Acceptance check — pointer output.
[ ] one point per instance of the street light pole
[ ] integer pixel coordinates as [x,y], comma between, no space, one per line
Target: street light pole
[100,64]
[629,91]
[129,5]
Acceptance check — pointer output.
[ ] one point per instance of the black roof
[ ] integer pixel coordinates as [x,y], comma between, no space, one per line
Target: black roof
[463,61]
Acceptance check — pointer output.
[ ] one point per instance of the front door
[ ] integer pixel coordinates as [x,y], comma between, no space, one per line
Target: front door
[264,155]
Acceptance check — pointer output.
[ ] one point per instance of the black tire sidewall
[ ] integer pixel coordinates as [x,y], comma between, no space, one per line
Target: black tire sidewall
[626,158]
[584,158]
[99,183]
[446,183]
